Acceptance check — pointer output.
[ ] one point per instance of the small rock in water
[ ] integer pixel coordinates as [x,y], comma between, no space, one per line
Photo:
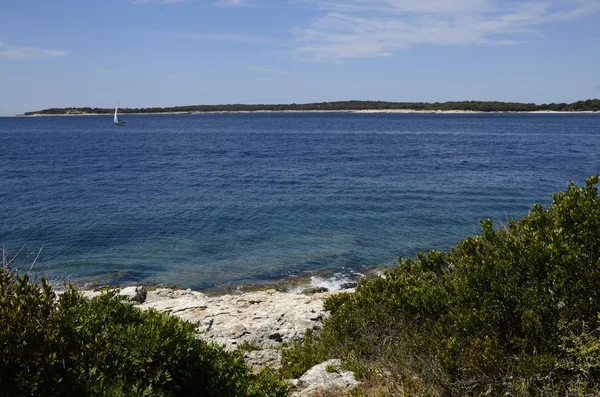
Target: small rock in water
[348,285]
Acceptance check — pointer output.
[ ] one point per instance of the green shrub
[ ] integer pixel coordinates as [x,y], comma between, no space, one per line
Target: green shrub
[30,342]
[300,356]
[512,310]
[71,345]
[245,347]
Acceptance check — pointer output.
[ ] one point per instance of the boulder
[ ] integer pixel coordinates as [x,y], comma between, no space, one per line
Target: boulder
[134,294]
[325,377]
[349,285]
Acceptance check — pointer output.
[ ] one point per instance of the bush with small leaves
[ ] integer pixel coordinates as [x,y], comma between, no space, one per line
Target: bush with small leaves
[512,310]
[71,345]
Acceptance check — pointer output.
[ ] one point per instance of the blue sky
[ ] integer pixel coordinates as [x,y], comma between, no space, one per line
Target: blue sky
[177,52]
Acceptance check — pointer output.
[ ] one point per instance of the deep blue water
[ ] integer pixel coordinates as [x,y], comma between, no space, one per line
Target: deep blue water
[203,200]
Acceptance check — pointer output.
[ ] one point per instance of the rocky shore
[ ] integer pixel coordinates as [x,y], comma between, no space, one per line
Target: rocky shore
[258,322]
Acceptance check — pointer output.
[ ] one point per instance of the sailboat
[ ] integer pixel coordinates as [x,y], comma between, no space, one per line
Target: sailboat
[116,119]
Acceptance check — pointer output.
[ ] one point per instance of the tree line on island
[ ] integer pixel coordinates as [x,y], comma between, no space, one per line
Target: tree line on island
[475,106]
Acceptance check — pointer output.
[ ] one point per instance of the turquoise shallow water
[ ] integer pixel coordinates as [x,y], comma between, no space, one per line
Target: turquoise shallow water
[205,200]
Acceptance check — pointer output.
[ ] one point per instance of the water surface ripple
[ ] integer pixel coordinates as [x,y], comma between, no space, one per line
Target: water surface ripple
[203,200]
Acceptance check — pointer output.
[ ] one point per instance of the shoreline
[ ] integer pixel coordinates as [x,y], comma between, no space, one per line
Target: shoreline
[259,323]
[326,279]
[358,111]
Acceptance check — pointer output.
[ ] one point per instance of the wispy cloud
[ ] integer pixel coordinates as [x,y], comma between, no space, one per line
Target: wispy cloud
[268,70]
[375,28]
[20,53]
[229,37]
[231,3]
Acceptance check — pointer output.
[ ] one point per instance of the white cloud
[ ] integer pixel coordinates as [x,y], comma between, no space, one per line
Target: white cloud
[268,70]
[372,28]
[231,3]
[19,53]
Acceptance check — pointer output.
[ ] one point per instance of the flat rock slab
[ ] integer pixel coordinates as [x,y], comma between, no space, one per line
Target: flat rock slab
[265,319]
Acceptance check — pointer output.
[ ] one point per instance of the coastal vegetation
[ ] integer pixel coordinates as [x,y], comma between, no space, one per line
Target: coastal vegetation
[68,345]
[514,310]
[475,106]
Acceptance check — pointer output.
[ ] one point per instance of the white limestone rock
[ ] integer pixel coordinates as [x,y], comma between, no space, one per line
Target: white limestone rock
[263,318]
[320,379]
[189,305]
[134,294]
[90,294]
[258,359]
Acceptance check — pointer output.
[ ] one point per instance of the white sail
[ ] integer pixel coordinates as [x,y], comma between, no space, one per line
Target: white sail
[116,120]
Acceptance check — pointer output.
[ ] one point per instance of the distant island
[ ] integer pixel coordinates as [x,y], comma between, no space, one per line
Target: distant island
[590,105]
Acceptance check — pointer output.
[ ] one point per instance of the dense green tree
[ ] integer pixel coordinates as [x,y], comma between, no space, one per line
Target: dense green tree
[476,106]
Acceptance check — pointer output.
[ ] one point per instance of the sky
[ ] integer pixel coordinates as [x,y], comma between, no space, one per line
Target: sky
[145,53]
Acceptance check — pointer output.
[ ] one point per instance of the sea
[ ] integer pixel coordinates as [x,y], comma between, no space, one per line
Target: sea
[207,200]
